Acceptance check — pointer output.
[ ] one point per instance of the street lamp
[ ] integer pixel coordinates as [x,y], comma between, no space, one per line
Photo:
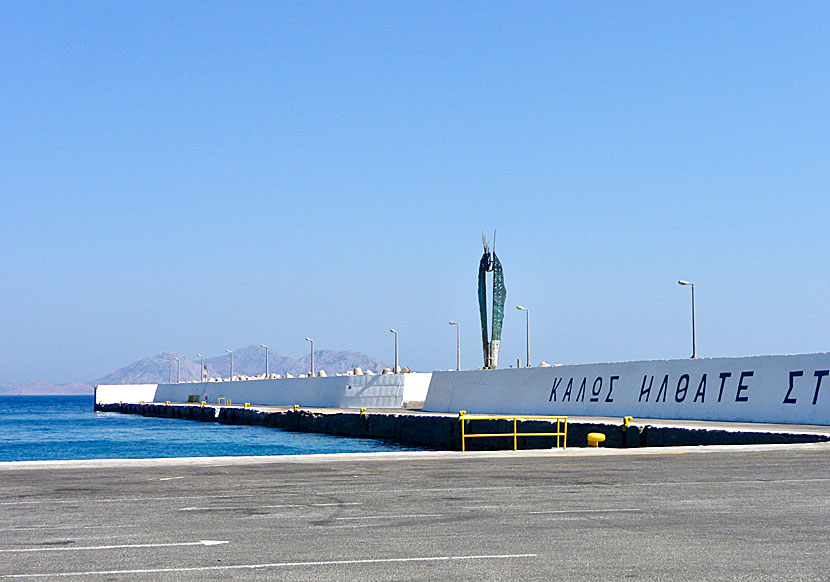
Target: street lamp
[527,333]
[178,370]
[692,285]
[396,370]
[231,353]
[170,373]
[457,345]
[266,358]
[201,367]
[308,339]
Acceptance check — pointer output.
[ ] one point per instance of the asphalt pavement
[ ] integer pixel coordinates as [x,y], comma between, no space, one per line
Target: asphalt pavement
[690,513]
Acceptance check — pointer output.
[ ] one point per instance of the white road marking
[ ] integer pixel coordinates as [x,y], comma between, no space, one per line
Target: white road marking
[558,511]
[78,549]
[226,507]
[351,526]
[391,516]
[736,481]
[52,527]
[272,565]
[120,500]
[373,492]
[170,478]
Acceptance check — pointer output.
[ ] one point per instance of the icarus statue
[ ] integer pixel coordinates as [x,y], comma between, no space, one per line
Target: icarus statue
[490,263]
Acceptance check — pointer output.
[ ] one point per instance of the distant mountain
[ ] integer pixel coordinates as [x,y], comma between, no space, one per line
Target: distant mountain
[154,370]
[336,363]
[44,387]
[248,361]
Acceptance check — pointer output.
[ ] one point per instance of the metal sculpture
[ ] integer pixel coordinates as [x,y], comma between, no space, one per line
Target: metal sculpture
[490,263]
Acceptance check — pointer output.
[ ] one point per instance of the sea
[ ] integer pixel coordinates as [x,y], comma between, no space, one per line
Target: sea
[40,428]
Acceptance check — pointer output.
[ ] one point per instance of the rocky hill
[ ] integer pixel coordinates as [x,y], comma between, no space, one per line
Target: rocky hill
[153,370]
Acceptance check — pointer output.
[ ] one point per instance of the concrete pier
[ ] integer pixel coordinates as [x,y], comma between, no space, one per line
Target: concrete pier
[442,431]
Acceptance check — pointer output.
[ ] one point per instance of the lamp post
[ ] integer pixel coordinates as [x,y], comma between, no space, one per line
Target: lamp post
[201,367]
[527,333]
[694,346]
[231,353]
[178,370]
[266,358]
[308,339]
[396,370]
[170,373]
[457,345]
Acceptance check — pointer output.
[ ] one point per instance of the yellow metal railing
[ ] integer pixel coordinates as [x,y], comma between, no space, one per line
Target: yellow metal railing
[222,401]
[561,428]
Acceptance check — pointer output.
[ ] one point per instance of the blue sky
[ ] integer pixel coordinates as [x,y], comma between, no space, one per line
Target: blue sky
[192,177]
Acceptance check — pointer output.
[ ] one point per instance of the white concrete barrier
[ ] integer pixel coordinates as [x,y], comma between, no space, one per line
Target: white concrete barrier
[111,393]
[415,387]
[376,391]
[781,389]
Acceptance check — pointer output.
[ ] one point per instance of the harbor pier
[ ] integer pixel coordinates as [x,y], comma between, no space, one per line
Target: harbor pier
[441,431]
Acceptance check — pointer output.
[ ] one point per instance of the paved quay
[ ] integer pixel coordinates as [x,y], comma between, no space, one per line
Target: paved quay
[693,513]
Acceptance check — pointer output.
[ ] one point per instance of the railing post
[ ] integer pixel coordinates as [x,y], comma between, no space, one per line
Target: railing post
[461,414]
[515,436]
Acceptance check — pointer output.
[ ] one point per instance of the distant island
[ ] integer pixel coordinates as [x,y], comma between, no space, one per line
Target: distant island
[249,361]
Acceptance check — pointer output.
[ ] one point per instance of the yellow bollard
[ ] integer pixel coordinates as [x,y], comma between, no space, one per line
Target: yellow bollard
[626,421]
[247,404]
[203,402]
[362,411]
[296,407]
[167,403]
[594,438]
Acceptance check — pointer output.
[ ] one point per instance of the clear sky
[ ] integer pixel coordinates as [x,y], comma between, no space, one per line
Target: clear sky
[195,176]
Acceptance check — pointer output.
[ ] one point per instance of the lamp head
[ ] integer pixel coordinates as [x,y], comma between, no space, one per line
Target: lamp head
[685,283]
[393,331]
[520,308]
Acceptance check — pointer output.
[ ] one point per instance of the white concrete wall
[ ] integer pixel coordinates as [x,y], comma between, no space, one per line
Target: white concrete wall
[415,386]
[111,393]
[782,389]
[379,391]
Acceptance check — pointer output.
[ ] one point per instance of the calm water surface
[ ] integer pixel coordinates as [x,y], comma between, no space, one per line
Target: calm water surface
[67,427]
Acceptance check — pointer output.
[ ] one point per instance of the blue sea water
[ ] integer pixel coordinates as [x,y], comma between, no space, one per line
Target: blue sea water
[67,427]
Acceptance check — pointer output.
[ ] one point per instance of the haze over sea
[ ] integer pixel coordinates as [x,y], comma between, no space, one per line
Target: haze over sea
[66,427]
